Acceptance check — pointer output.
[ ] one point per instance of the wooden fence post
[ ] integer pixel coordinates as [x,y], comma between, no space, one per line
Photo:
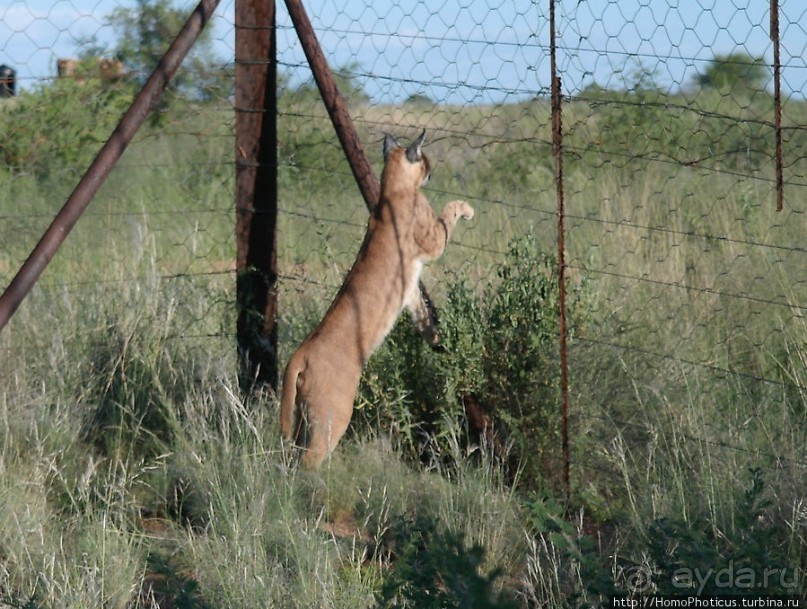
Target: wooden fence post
[256,192]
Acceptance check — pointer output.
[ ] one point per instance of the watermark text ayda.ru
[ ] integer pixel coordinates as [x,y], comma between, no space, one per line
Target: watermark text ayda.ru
[730,578]
[733,577]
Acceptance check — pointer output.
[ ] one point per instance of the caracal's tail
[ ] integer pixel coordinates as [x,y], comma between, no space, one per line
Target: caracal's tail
[288,400]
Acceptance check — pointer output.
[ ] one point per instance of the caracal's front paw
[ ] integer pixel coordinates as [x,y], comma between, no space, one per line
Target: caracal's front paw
[463,209]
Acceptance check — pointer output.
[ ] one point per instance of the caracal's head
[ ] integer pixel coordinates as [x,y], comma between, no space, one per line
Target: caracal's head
[405,167]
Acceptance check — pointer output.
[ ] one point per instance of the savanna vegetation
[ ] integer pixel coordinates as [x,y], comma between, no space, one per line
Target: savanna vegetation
[133,473]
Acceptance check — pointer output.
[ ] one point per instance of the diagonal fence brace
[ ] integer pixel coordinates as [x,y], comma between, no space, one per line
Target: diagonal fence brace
[349,139]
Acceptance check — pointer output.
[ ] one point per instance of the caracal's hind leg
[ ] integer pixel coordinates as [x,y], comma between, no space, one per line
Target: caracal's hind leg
[324,430]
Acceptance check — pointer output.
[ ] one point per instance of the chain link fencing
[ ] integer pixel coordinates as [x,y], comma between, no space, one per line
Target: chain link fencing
[686,280]
[674,243]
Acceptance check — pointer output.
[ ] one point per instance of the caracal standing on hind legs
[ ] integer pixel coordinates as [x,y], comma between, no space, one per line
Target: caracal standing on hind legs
[322,377]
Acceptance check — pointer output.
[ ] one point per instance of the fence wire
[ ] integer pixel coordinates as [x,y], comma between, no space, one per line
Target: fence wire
[669,154]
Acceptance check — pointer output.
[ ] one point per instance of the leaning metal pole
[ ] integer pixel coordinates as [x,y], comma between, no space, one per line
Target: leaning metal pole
[335,104]
[346,132]
[106,159]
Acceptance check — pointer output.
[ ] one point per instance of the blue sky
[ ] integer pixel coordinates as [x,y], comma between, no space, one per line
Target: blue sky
[476,51]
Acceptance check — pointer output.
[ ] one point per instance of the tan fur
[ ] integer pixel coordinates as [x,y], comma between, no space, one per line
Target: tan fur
[321,378]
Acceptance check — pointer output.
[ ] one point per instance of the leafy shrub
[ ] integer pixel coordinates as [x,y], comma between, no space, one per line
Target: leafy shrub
[435,569]
[568,564]
[703,129]
[521,167]
[139,382]
[500,355]
[60,127]
[130,406]
[672,556]
[305,155]
[750,556]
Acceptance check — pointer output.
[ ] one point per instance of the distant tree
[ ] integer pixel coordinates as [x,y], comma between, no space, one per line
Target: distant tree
[735,71]
[145,33]
[634,81]
[419,99]
[349,84]
[594,90]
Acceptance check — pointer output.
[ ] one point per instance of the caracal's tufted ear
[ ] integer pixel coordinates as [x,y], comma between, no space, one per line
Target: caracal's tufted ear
[390,144]
[413,151]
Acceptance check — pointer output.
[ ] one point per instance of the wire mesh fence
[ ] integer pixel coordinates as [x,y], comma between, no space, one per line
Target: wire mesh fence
[670,180]
[674,245]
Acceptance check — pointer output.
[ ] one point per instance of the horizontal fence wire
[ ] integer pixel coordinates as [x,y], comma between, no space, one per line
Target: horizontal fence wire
[682,271]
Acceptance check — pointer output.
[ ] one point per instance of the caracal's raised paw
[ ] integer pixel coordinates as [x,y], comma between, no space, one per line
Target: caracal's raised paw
[458,209]
[466,210]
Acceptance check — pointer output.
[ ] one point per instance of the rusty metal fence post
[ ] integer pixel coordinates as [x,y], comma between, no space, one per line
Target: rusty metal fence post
[777,105]
[256,192]
[557,151]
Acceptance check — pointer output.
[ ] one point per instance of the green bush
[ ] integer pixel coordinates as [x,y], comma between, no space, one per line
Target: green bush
[751,556]
[57,129]
[671,556]
[642,123]
[570,565]
[435,569]
[500,352]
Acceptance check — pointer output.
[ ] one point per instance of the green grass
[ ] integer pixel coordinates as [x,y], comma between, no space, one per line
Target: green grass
[133,472]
